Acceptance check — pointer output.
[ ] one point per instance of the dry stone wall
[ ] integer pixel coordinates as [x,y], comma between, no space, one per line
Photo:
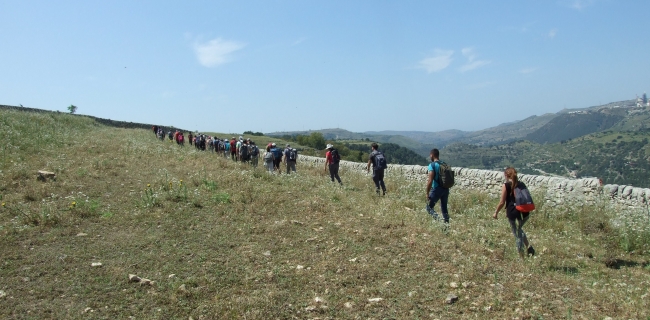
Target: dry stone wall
[558,191]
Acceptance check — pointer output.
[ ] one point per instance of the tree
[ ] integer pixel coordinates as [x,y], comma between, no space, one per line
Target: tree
[317,141]
[72,108]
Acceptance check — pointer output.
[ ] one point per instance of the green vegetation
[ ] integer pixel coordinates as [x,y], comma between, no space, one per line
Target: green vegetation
[614,157]
[394,153]
[251,133]
[570,126]
[221,240]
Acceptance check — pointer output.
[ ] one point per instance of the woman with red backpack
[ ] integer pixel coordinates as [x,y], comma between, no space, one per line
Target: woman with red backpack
[511,192]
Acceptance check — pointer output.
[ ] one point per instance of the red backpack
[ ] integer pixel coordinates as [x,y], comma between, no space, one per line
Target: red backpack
[523,199]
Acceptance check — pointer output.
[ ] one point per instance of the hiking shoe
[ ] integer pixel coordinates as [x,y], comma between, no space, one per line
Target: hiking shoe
[531,251]
[377,191]
[384,193]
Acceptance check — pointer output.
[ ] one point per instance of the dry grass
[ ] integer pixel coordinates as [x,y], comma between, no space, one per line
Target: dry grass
[232,242]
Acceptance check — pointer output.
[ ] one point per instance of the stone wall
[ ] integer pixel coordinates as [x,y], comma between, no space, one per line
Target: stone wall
[558,191]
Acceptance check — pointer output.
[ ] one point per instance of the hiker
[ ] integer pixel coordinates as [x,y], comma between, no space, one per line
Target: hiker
[269,159]
[379,164]
[255,154]
[233,149]
[226,148]
[171,135]
[180,139]
[190,138]
[516,218]
[435,190]
[155,129]
[332,159]
[237,146]
[277,156]
[290,158]
[244,151]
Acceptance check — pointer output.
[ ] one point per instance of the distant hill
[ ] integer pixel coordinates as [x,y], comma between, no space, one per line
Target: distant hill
[550,127]
[573,125]
[621,157]
[507,132]
[342,134]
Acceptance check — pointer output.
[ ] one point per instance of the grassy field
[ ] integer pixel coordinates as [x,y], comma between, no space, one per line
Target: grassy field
[221,240]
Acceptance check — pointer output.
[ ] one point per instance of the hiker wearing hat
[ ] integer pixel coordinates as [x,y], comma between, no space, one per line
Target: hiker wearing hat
[244,151]
[277,154]
[238,146]
[226,148]
[290,157]
[268,159]
[332,159]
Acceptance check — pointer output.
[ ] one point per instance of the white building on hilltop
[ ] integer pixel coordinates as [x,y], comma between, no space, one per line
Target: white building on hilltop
[642,101]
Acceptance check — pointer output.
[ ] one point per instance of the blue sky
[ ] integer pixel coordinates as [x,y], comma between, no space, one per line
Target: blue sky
[232,66]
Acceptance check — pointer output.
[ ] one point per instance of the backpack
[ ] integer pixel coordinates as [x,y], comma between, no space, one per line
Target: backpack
[380,161]
[292,155]
[268,157]
[255,151]
[277,153]
[243,150]
[446,175]
[523,199]
[336,157]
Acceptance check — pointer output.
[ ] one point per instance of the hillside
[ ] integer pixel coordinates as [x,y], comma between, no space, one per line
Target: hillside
[222,240]
[550,127]
[569,126]
[615,157]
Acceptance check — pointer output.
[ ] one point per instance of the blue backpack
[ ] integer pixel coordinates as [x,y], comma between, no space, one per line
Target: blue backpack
[277,153]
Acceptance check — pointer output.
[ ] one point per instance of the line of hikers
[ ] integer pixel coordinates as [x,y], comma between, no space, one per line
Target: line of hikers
[239,150]
[514,194]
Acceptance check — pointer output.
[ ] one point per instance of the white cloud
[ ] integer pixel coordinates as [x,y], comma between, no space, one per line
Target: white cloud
[472,63]
[216,52]
[438,62]
[528,70]
[468,53]
[552,33]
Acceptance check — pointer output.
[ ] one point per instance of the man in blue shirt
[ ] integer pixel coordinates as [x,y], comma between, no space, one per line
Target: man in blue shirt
[435,191]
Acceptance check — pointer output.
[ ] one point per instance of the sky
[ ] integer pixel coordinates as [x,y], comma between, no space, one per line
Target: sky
[234,66]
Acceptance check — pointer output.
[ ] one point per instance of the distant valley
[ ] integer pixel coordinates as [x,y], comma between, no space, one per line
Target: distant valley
[607,141]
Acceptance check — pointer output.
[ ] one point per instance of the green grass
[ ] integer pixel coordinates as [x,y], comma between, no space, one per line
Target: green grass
[222,240]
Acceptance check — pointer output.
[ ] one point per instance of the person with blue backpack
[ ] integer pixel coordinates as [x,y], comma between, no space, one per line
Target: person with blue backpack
[440,179]
[379,164]
[277,157]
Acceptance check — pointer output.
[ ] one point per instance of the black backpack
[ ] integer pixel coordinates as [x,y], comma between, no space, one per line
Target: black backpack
[446,177]
[336,157]
[292,155]
[380,161]
[243,150]
[255,151]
